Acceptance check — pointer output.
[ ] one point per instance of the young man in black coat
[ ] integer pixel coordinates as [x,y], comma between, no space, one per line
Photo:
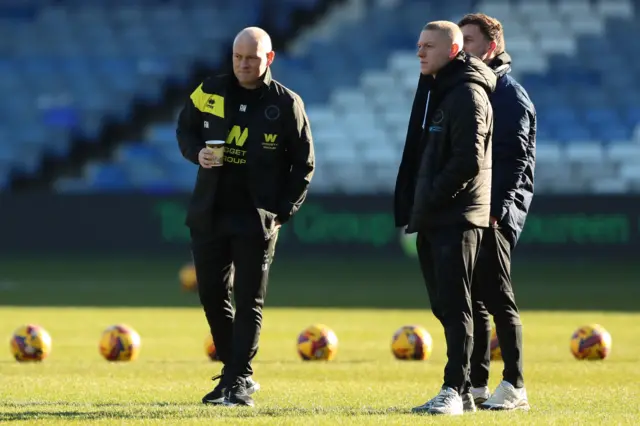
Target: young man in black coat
[443,192]
[514,141]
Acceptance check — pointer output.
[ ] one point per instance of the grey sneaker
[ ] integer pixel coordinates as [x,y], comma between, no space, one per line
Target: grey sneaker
[424,408]
[446,402]
[468,404]
[252,386]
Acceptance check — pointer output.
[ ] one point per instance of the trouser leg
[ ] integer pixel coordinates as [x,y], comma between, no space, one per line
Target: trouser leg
[214,271]
[252,256]
[496,291]
[427,266]
[481,355]
[455,251]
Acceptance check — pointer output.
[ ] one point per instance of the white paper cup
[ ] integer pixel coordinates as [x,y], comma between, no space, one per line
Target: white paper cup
[217,149]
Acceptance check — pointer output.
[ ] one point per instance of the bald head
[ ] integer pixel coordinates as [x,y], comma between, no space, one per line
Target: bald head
[252,54]
[439,43]
[254,36]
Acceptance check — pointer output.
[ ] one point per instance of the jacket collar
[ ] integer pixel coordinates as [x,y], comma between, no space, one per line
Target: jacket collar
[501,64]
[266,78]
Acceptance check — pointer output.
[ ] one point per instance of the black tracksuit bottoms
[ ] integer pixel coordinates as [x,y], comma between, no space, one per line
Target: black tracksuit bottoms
[234,258]
[447,258]
[492,293]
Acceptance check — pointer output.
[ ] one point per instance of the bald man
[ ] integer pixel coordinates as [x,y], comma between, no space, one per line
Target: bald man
[443,192]
[242,198]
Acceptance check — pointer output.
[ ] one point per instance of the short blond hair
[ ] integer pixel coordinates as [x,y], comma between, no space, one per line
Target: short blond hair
[450,29]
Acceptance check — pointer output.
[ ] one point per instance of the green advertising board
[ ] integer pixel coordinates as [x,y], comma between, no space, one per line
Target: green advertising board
[326,225]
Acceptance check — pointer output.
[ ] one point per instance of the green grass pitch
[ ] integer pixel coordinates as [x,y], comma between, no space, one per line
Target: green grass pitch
[364,385]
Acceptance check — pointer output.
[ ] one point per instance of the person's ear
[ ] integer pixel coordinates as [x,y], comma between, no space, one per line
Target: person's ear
[492,47]
[270,57]
[455,49]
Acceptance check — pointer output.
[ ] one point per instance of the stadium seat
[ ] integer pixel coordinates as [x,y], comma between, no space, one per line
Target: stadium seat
[358,91]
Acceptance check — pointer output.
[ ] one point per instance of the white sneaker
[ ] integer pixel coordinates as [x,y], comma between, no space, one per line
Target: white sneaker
[507,397]
[480,395]
[446,402]
[468,405]
[424,408]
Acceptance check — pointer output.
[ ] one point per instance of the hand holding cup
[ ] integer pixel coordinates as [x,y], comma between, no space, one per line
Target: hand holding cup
[212,155]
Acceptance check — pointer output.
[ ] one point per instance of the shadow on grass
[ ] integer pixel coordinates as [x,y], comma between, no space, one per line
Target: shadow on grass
[356,283]
[182,411]
[333,362]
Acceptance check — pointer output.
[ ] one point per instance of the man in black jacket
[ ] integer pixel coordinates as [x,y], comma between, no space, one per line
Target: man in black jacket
[443,191]
[514,138]
[237,208]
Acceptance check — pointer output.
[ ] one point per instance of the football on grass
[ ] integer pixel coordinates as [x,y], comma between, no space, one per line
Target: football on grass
[411,342]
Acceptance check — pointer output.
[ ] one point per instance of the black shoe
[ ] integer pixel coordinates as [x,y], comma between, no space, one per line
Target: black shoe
[237,394]
[217,395]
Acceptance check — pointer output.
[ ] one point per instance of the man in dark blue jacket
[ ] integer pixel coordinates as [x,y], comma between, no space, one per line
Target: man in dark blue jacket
[514,135]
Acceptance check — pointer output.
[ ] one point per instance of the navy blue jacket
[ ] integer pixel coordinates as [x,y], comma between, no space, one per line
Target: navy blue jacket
[514,150]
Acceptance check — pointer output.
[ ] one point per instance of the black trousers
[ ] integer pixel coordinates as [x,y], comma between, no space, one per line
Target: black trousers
[447,258]
[234,258]
[492,293]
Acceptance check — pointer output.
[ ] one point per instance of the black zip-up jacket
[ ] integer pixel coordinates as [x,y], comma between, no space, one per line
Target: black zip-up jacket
[445,173]
[280,159]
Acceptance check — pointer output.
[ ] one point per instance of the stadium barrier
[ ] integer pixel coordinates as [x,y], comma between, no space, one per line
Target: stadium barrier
[42,224]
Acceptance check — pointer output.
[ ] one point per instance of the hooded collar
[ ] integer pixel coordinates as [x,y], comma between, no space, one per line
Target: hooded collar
[501,64]
[464,68]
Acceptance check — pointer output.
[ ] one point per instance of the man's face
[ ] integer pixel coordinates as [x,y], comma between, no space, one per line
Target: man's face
[434,51]
[476,43]
[250,61]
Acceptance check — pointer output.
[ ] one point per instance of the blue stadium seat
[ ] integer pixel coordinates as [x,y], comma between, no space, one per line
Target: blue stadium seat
[613,132]
[601,116]
[8,152]
[163,133]
[137,152]
[571,132]
[632,116]
[558,115]
[107,177]
[544,132]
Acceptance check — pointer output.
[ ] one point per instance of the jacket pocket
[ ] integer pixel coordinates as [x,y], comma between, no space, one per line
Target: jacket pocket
[268,219]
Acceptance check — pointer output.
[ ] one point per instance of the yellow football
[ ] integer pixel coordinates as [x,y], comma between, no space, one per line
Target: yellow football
[496,353]
[187,277]
[317,343]
[120,343]
[30,343]
[411,342]
[210,348]
[591,342]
